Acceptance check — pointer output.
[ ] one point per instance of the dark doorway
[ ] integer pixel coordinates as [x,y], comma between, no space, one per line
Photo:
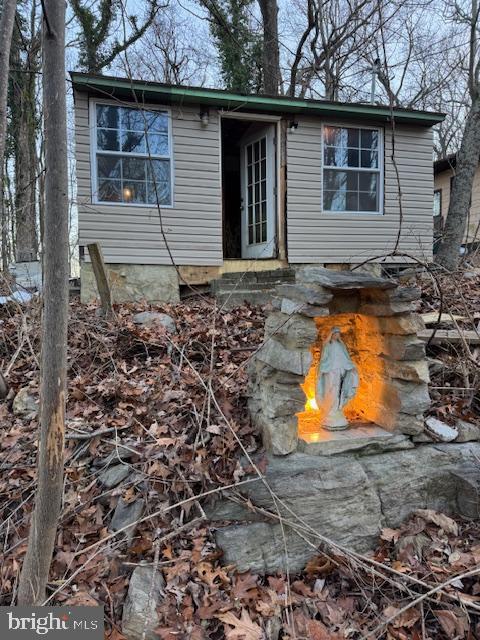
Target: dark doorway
[233,133]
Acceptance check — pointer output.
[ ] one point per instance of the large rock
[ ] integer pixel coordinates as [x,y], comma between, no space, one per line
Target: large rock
[308,294]
[280,435]
[24,404]
[403,347]
[411,371]
[282,400]
[294,332]
[342,279]
[293,306]
[409,324]
[296,361]
[114,475]
[467,432]
[145,593]
[152,318]
[347,498]
[127,513]
[133,282]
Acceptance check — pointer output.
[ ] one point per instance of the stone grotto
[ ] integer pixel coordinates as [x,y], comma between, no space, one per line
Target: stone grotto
[347,451]
[378,325]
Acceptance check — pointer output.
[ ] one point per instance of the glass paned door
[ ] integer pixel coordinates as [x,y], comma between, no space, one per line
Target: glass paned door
[258,195]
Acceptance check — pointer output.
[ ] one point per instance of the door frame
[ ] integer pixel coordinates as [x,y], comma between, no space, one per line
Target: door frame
[279,197]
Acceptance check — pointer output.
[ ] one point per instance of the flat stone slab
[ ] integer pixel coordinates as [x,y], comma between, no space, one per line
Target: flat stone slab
[342,279]
[347,498]
[366,437]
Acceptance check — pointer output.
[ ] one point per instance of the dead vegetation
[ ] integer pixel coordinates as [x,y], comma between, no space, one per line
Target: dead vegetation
[168,413]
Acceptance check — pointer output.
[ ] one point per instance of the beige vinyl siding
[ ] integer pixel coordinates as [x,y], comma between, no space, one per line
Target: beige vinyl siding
[316,236]
[193,226]
[442,182]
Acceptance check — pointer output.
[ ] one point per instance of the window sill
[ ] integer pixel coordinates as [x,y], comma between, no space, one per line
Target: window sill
[354,213]
[132,204]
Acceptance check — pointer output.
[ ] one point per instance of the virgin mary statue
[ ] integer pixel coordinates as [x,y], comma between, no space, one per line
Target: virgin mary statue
[337,381]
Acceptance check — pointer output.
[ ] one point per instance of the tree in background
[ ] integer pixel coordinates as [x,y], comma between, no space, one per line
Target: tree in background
[238,44]
[7,19]
[24,129]
[97,47]
[43,526]
[272,78]
[466,14]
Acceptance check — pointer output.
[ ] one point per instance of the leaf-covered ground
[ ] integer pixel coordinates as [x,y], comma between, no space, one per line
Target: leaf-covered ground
[172,409]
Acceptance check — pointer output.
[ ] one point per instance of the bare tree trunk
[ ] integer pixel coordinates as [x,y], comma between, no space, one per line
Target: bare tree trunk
[25,200]
[271,57]
[24,132]
[7,19]
[44,521]
[448,254]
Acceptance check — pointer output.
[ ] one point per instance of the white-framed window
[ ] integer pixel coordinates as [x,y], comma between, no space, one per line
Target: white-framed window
[132,155]
[352,169]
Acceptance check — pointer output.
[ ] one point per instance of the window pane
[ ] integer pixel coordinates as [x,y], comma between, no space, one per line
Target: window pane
[160,169]
[134,119]
[134,169]
[334,200]
[437,202]
[109,190]
[352,157]
[258,231]
[368,181]
[108,140]
[157,121]
[250,234]
[157,144]
[341,136]
[108,167]
[263,147]
[264,231]
[160,190]
[336,157]
[107,116]
[134,192]
[369,159]
[351,203]
[133,142]
[264,211]
[368,201]
[340,180]
[369,139]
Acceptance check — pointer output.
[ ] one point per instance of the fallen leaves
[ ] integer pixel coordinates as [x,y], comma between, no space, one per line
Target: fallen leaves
[242,628]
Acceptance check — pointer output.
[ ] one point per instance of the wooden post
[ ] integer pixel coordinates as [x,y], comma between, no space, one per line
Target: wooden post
[101,277]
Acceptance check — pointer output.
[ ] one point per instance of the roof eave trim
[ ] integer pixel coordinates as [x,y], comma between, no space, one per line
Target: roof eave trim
[235,101]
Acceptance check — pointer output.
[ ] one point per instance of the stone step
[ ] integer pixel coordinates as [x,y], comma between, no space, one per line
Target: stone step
[219,286]
[239,297]
[275,275]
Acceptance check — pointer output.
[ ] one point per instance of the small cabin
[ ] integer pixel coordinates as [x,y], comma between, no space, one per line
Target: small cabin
[181,185]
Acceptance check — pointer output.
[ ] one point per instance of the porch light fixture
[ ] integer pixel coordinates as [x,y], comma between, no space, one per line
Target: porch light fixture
[204,116]
[293,125]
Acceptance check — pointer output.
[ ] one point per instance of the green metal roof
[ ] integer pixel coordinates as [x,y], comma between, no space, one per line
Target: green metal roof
[173,94]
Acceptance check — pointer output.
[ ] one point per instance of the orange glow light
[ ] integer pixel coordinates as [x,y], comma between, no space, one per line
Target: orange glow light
[364,341]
